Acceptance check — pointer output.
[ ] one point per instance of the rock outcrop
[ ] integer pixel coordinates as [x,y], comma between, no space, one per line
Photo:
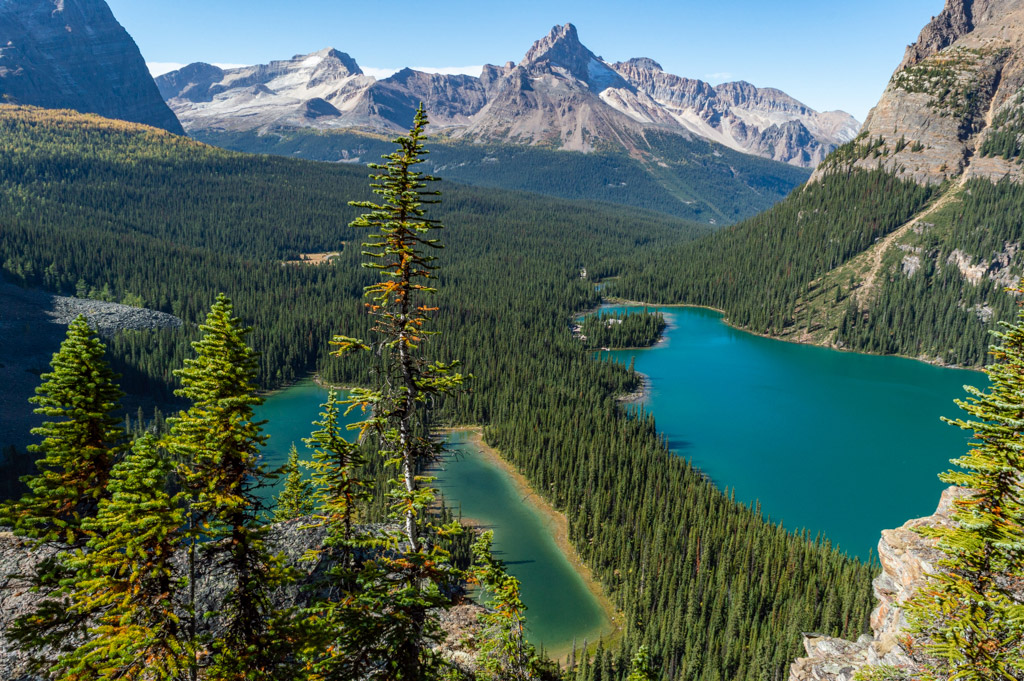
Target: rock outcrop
[560,95]
[953,101]
[32,325]
[292,539]
[907,558]
[72,54]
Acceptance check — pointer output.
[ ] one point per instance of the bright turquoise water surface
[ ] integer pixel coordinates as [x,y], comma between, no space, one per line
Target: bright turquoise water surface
[839,443]
[560,607]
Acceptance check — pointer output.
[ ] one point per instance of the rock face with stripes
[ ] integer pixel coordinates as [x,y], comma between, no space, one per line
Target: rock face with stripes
[73,54]
[907,559]
[954,108]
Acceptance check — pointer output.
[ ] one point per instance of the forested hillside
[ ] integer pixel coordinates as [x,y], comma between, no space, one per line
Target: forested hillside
[692,179]
[860,260]
[906,238]
[757,271]
[714,590]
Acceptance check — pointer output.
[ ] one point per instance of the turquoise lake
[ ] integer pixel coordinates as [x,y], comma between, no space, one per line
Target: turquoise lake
[841,444]
[561,608]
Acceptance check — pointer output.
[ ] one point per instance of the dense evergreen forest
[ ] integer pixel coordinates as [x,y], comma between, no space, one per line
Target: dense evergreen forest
[757,271]
[713,590]
[618,330]
[689,178]
[934,311]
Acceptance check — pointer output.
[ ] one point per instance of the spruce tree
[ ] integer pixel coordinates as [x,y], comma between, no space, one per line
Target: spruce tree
[127,585]
[407,385]
[341,641]
[505,653]
[969,619]
[80,442]
[78,449]
[217,443]
[640,670]
[296,498]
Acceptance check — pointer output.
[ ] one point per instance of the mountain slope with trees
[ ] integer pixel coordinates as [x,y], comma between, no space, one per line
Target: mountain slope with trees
[707,584]
[690,178]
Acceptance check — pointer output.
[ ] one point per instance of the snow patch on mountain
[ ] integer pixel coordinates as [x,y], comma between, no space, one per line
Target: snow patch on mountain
[560,93]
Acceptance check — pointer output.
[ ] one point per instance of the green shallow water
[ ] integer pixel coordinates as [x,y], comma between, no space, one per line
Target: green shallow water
[560,608]
[841,444]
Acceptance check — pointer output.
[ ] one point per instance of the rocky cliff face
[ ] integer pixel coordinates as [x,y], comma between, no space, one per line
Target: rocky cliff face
[954,99]
[561,95]
[72,54]
[907,558]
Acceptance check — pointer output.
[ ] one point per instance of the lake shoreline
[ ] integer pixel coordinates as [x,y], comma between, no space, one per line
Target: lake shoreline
[558,527]
[639,395]
[731,325]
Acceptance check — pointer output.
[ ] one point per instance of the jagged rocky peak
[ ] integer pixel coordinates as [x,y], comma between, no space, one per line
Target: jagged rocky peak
[562,49]
[73,54]
[645,63]
[958,88]
[956,20]
[340,61]
[560,46]
[640,72]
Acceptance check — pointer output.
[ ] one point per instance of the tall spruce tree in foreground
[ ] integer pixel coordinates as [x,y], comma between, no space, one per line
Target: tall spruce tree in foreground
[127,584]
[217,443]
[969,619]
[81,440]
[407,385]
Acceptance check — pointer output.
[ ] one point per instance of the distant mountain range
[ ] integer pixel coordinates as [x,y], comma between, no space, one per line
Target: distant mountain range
[72,54]
[561,95]
[562,122]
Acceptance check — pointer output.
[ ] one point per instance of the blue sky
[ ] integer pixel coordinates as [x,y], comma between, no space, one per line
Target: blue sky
[830,55]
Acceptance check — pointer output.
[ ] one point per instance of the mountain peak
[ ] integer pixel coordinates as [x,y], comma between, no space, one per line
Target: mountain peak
[958,19]
[561,46]
[335,58]
[644,63]
[561,51]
